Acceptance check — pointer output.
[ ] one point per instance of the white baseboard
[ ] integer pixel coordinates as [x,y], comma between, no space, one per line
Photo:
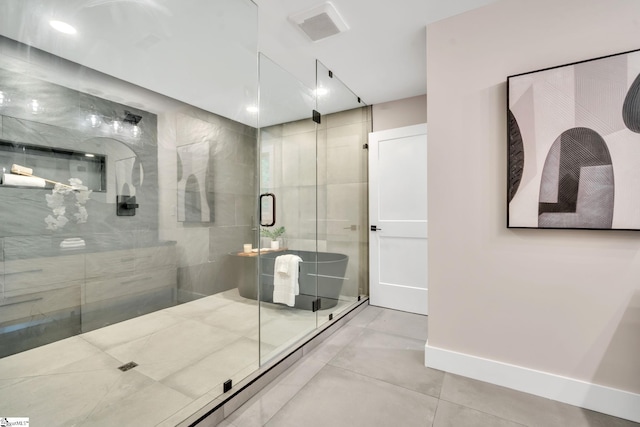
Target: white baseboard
[611,401]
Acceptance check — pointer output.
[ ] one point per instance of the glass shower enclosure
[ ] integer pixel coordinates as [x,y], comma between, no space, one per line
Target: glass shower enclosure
[127,176]
[312,172]
[148,192]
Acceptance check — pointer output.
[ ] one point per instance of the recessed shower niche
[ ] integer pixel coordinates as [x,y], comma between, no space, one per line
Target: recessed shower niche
[58,165]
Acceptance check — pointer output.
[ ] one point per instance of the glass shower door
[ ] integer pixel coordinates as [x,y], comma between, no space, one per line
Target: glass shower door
[287,283]
[342,195]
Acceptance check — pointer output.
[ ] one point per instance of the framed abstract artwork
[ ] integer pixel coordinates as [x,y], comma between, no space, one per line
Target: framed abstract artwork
[574,145]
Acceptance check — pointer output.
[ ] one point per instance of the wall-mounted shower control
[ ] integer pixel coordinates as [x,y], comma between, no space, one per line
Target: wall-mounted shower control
[126,205]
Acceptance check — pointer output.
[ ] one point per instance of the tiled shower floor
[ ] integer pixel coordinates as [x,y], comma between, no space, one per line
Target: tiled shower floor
[184,354]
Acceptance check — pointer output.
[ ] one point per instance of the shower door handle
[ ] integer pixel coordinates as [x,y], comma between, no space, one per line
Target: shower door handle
[263,199]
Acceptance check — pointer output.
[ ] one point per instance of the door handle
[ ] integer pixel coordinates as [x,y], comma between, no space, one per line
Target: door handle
[273,209]
[375,228]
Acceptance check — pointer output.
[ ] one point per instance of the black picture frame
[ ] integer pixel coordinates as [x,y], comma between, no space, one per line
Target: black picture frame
[573,145]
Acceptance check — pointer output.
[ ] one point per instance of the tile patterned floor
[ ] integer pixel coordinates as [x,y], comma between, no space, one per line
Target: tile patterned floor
[184,354]
[371,373]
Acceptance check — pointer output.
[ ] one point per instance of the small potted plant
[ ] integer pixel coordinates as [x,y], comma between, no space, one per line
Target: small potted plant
[273,234]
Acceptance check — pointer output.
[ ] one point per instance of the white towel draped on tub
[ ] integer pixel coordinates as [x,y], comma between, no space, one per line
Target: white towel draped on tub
[285,279]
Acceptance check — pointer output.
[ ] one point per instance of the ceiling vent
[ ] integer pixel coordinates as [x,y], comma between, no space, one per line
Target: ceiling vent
[320,22]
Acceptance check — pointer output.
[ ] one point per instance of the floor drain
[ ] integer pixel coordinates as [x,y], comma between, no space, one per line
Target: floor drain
[127,366]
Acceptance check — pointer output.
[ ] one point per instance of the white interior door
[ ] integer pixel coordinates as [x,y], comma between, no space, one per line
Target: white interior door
[398,218]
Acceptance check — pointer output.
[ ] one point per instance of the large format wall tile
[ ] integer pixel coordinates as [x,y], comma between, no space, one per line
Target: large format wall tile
[335,214]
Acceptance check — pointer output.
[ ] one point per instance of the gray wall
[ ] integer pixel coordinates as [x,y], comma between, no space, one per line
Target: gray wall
[400,113]
[204,248]
[167,124]
[62,124]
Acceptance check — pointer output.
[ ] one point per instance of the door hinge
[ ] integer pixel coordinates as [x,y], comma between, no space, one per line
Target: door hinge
[317,117]
[330,74]
[226,386]
[365,147]
[315,305]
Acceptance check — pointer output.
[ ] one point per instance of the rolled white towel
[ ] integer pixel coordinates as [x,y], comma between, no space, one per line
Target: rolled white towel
[21,170]
[23,181]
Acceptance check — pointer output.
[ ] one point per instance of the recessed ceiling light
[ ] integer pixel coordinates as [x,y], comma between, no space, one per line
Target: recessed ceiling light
[252,109]
[63,27]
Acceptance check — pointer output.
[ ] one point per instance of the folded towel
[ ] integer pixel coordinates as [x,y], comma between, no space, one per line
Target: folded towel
[72,243]
[72,246]
[22,181]
[285,285]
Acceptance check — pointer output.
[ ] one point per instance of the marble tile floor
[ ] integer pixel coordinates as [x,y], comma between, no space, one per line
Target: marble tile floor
[371,373]
[184,354]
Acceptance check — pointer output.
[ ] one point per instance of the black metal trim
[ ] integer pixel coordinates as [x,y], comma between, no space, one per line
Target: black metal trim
[129,117]
[573,63]
[127,366]
[126,205]
[512,227]
[273,211]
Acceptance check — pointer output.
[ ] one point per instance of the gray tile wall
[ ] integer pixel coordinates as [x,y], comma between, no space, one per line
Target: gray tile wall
[292,164]
[202,249]
[346,177]
[62,124]
[206,249]
[48,285]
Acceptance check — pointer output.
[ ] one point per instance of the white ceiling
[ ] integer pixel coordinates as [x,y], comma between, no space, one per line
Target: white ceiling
[382,57]
[203,51]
